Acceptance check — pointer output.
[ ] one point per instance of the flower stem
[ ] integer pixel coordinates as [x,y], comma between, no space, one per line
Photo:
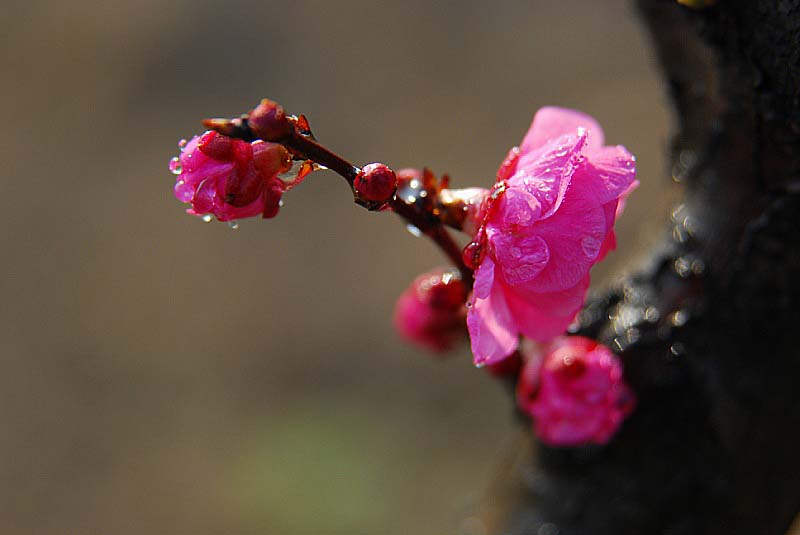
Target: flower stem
[305,146]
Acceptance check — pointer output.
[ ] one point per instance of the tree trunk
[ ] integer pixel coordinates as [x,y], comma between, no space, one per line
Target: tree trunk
[707,329]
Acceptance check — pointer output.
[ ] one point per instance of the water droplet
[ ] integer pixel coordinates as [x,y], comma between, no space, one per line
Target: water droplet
[677,349]
[473,254]
[652,314]
[233,224]
[682,266]
[175,166]
[207,218]
[280,203]
[632,335]
[690,224]
[698,266]
[678,213]
[680,235]
[290,175]
[414,230]
[181,143]
[679,318]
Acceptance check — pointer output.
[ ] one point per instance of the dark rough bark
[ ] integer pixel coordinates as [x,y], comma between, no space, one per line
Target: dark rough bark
[707,331]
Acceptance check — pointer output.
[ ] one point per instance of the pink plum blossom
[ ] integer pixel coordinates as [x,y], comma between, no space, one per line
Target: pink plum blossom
[575,392]
[230,178]
[547,221]
[430,312]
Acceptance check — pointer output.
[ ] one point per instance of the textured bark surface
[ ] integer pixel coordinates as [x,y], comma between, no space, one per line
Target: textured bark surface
[707,330]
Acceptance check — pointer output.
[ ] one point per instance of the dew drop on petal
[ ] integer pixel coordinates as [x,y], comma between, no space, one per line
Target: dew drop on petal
[233,224]
[207,218]
[175,166]
[181,143]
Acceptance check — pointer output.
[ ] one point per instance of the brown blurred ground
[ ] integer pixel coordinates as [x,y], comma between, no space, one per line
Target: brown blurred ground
[165,376]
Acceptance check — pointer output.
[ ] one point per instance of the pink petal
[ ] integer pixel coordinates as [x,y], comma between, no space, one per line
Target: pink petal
[204,197]
[609,244]
[228,212]
[545,318]
[610,209]
[484,279]
[547,171]
[551,122]
[613,167]
[574,237]
[493,335]
[558,303]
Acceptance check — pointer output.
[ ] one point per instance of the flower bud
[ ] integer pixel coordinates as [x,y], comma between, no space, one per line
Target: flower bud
[230,178]
[269,122]
[575,392]
[376,183]
[431,313]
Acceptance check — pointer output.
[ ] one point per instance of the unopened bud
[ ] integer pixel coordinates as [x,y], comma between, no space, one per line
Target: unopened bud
[376,182]
[269,122]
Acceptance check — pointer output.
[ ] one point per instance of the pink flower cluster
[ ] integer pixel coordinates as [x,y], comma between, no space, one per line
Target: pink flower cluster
[549,219]
[229,178]
[575,392]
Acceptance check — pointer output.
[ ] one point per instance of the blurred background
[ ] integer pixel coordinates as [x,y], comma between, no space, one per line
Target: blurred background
[162,375]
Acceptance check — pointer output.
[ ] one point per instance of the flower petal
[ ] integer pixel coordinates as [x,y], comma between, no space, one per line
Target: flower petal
[549,315]
[559,303]
[546,173]
[614,168]
[552,122]
[492,332]
[610,209]
[574,236]
[204,197]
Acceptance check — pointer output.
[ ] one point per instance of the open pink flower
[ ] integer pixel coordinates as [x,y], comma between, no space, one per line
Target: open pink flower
[575,393]
[230,178]
[548,220]
[430,312]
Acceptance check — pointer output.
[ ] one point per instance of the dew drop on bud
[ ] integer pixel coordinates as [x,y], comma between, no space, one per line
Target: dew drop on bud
[207,218]
[175,166]
[181,143]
